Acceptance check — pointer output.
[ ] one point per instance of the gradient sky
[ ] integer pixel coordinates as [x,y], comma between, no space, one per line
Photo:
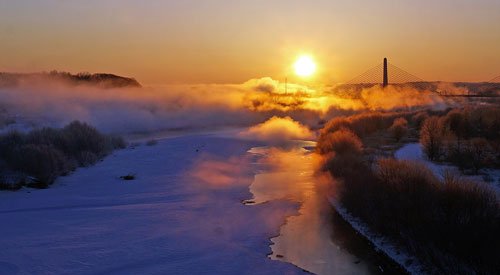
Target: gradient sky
[231,41]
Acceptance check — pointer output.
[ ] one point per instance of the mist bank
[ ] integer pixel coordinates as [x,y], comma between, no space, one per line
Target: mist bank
[128,110]
[440,87]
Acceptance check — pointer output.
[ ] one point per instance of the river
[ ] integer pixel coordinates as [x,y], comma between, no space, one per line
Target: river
[316,239]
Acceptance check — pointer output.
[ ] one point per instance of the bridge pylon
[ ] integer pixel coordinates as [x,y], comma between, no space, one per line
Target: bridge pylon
[386,77]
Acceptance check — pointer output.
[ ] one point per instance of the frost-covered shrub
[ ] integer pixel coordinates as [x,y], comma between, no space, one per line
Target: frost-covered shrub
[419,118]
[336,124]
[8,142]
[432,138]
[451,224]
[46,136]
[44,162]
[47,153]
[474,154]
[86,158]
[363,124]
[458,220]
[81,137]
[399,128]
[341,142]
[116,142]
[458,123]
[468,138]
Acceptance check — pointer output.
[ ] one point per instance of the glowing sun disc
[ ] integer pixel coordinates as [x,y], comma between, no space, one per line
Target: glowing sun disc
[304,66]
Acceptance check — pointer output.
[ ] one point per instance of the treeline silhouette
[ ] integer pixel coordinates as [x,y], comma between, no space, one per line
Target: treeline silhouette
[103,80]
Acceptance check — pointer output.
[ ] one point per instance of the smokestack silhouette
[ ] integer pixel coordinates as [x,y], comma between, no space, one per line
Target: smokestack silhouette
[386,77]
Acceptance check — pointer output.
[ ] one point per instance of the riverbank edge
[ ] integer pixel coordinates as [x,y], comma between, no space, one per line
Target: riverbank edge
[408,262]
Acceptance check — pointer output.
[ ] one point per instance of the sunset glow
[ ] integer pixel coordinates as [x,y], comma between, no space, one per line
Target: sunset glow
[304,66]
[249,137]
[171,42]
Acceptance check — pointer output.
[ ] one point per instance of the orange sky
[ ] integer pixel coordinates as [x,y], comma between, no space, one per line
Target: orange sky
[231,41]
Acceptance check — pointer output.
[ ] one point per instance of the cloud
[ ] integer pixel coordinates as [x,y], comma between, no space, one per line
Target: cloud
[131,110]
[278,130]
[450,89]
[399,97]
[200,106]
[265,84]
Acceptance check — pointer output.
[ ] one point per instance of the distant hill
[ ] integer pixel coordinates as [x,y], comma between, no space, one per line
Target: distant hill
[101,80]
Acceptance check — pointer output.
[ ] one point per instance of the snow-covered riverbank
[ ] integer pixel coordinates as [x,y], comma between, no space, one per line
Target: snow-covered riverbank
[413,151]
[171,219]
[402,257]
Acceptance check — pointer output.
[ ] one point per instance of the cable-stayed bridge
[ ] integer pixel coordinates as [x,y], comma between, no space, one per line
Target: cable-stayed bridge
[380,75]
[494,80]
[386,73]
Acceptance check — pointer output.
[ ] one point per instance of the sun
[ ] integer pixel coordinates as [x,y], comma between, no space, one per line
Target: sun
[304,66]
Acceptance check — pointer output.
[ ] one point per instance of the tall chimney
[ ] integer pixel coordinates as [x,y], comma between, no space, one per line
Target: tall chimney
[386,78]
